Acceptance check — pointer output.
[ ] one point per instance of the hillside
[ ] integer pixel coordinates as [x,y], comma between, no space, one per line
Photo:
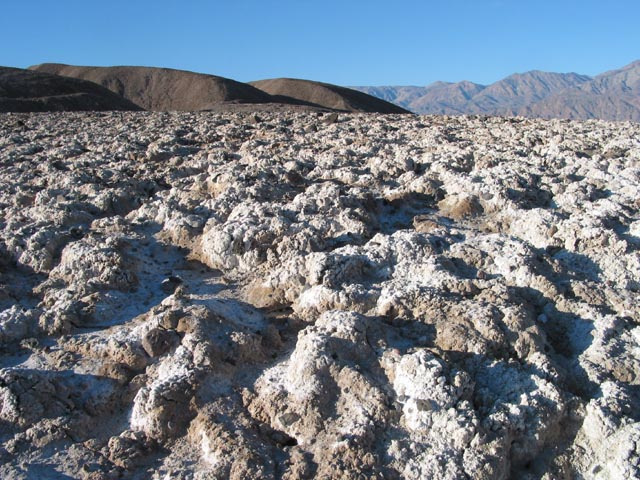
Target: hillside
[326,95]
[163,89]
[27,91]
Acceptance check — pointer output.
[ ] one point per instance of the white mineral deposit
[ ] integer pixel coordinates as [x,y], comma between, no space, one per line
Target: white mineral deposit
[277,296]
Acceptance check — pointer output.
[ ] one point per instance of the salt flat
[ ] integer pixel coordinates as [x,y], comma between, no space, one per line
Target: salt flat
[297,295]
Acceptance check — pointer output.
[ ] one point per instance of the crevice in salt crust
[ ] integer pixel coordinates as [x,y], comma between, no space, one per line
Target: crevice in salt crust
[217,295]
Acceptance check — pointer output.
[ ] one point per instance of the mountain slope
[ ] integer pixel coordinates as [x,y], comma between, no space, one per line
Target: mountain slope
[402,96]
[27,91]
[512,93]
[447,98]
[613,95]
[326,95]
[162,89]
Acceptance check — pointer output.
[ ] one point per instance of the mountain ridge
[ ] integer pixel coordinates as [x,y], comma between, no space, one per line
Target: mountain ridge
[611,95]
[326,95]
[158,89]
[30,91]
[167,89]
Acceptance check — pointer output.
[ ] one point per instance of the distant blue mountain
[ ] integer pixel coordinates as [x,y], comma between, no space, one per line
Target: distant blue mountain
[613,95]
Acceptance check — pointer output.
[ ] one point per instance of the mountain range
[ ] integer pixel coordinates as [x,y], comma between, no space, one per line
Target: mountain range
[612,95]
[55,86]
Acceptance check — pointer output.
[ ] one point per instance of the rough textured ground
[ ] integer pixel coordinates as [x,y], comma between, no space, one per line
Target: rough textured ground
[208,295]
[27,91]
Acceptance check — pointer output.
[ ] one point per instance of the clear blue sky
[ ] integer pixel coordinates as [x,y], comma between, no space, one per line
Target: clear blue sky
[345,42]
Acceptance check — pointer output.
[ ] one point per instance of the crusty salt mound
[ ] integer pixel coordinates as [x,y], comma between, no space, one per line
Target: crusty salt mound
[290,295]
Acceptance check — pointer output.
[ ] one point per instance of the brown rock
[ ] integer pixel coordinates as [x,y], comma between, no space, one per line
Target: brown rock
[158,341]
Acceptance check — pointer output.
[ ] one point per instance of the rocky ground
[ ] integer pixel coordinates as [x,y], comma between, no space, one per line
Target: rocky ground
[295,295]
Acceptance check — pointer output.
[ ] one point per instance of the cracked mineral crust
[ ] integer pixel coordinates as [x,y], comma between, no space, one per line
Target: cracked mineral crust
[216,295]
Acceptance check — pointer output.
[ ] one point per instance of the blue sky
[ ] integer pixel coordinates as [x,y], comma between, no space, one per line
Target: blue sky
[344,42]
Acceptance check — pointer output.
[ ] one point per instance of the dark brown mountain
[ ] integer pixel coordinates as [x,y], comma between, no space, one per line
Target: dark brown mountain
[325,95]
[27,91]
[613,95]
[163,89]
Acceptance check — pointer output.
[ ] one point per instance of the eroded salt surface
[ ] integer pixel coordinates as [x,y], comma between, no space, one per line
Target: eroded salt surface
[207,295]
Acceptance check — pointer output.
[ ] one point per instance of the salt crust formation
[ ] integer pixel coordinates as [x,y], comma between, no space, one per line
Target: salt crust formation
[209,296]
